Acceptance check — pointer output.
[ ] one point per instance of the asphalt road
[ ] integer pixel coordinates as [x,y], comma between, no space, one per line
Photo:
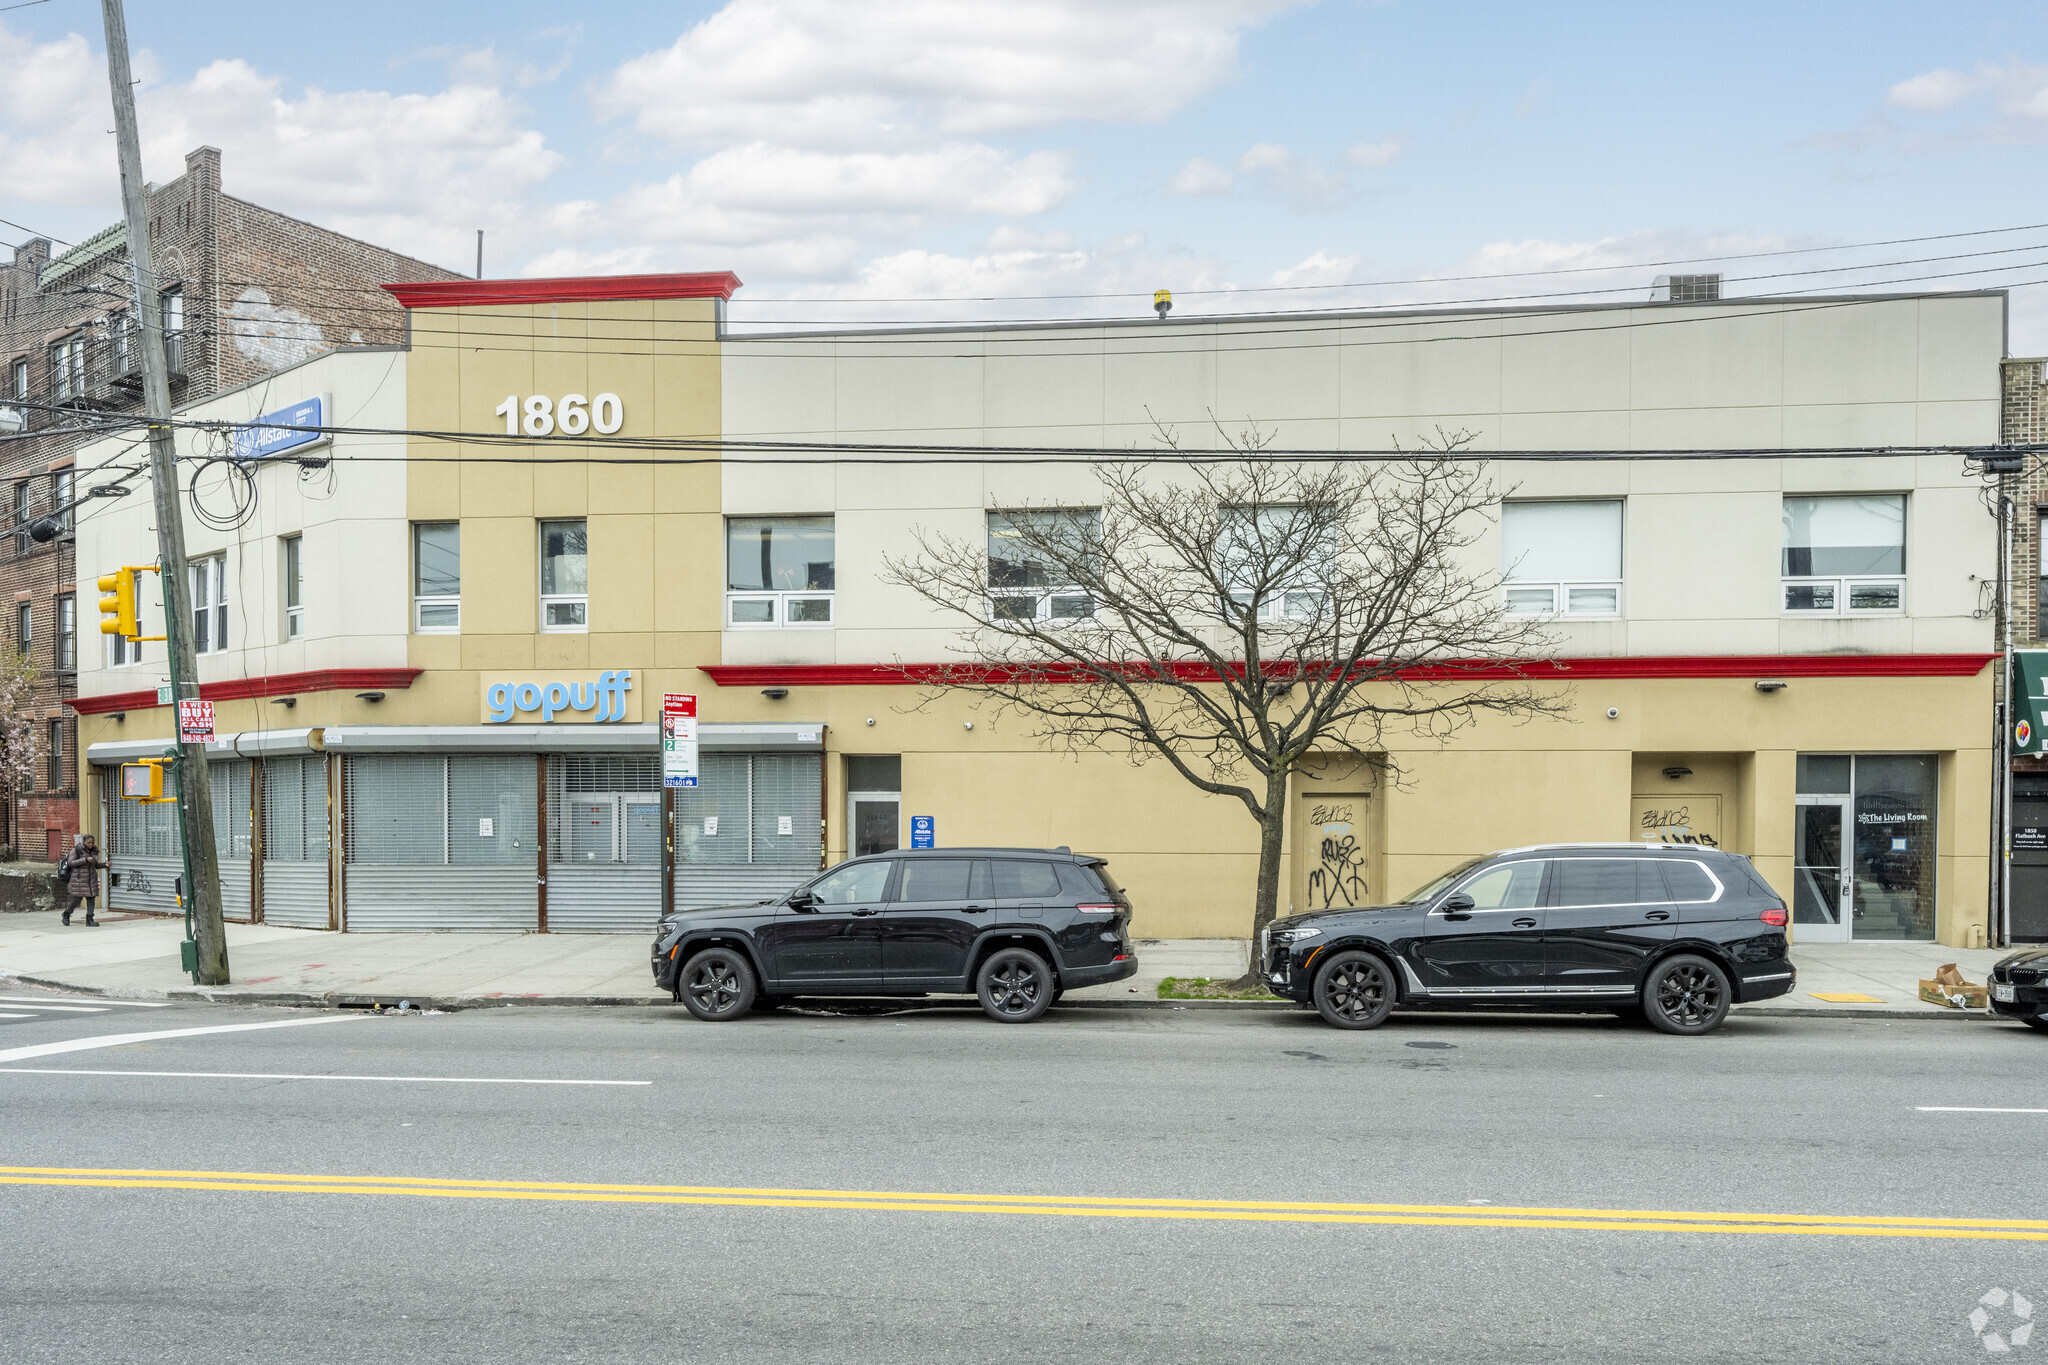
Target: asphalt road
[294,1237]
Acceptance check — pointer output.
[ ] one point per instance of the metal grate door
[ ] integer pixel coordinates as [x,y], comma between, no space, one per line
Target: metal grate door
[604,842]
[295,843]
[442,842]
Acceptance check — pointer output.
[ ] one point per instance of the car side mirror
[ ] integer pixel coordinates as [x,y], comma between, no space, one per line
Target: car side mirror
[801,900]
[1457,907]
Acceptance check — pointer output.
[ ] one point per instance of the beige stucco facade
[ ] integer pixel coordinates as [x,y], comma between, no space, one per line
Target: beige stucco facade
[1701,576]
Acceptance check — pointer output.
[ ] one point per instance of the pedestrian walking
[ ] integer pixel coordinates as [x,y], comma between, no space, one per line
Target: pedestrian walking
[84,882]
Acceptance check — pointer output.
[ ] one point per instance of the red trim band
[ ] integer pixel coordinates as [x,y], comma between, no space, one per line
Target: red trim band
[1539,670]
[243,689]
[717,284]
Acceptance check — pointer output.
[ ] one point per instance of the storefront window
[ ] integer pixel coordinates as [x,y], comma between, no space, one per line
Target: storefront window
[1864,846]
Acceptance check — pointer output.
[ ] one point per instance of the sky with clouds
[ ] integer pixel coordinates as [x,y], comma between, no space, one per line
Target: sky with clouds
[893,150]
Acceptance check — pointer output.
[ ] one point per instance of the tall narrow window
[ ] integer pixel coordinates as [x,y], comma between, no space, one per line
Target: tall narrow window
[564,576]
[779,571]
[121,358]
[67,369]
[1845,554]
[55,750]
[60,497]
[209,604]
[436,576]
[21,518]
[1561,558]
[1026,552]
[17,380]
[121,653]
[67,632]
[294,588]
[174,331]
[24,627]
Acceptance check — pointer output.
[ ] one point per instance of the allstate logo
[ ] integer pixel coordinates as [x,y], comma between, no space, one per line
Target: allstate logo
[2002,1321]
[2021,733]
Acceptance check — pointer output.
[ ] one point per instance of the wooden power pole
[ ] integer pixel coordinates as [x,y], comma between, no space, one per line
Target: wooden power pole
[195,792]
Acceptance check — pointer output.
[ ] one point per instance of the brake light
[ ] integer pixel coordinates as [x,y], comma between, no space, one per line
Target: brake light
[1775,917]
[1096,909]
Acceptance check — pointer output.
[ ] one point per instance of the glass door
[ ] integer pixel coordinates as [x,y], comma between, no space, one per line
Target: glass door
[872,822]
[1823,892]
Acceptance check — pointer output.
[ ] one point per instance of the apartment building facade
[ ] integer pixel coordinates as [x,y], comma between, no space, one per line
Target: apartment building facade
[1781,654]
[246,291]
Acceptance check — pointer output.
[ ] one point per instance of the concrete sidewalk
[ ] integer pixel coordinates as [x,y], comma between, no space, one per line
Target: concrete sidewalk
[137,956]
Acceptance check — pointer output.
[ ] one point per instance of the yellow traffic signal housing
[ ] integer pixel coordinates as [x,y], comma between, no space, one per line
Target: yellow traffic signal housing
[144,781]
[117,610]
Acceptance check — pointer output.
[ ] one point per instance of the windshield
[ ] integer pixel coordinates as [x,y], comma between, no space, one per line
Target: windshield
[1435,888]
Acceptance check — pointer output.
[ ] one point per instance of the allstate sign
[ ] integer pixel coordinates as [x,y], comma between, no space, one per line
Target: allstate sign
[587,698]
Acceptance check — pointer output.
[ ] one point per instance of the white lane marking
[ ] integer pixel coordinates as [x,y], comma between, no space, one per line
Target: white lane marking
[1964,1109]
[126,1004]
[292,1076]
[61,1009]
[22,1054]
[17,1016]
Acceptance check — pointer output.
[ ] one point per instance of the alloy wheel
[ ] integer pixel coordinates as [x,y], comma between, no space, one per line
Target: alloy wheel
[1356,989]
[1690,994]
[1013,988]
[715,986]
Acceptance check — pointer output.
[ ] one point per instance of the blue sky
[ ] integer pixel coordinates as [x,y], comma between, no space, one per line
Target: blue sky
[911,148]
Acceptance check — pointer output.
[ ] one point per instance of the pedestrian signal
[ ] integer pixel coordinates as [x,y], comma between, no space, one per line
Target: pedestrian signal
[144,781]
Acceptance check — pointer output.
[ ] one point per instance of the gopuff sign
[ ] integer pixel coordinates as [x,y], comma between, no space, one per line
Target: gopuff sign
[579,698]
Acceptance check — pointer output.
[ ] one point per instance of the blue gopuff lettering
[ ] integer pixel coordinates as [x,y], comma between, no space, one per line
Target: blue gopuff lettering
[607,695]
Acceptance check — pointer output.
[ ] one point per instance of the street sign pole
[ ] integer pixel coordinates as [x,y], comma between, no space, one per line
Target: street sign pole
[678,771]
[195,792]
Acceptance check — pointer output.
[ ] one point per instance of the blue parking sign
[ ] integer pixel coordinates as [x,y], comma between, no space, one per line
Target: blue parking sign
[923,832]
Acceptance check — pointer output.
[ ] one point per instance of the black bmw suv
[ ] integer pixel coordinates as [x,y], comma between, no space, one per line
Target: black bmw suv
[2019,987]
[1676,933]
[1017,927]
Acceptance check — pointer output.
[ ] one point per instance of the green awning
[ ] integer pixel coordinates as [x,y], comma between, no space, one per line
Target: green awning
[2029,701]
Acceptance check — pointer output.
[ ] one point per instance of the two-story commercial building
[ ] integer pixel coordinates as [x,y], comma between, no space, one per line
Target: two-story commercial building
[438,641]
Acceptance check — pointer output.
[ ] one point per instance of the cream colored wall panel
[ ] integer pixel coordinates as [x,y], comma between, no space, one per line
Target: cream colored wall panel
[1273,378]
[1662,635]
[489,653]
[683,652]
[561,490]
[1563,479]
[904,383]
[1380,376]
[435,652]
[1588,639]
[491,489]
[563,651]
[1854,424]
[936,643]
[1039,485]
[1565,364]
[889,487]
[689,576]
[500,575]
[1170,377]
[778,647]
[1049,383]
[1861,353]
[1551,796]
[1705,428]
[1652,476]
[686,489]
[1706,357]
[1588,430]
[1961,342]
[1845,634]
[774,389]
[1963,423]
[1866,475]
[1670,579]
[1954,634]
[753,490]
[621,572]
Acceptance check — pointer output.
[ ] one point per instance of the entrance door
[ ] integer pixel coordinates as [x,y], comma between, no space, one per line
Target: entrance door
[1823,892]
[611,827]
[872,823]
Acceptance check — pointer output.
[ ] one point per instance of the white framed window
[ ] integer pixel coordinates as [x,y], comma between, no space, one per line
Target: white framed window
[1255,544]
[1561,558]
[1023,582]
[67,369]
[24,627]
[173,302]
[564,576]
[122,653]
[209,579]
[779,571]
[61,484]
[294,588]
[17,379]
[436,577]
[1845,554]
[67,632]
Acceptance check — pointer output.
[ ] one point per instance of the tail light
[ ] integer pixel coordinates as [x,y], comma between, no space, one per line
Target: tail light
[1775,917]
[1096,909]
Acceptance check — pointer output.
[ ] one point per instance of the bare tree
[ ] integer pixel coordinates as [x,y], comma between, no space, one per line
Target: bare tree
[1233,616]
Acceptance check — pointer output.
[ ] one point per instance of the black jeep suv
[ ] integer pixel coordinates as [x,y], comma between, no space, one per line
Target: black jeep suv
[1675,932]
[1017,927]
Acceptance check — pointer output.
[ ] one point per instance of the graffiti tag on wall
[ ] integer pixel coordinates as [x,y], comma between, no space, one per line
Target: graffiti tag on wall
[1673,825]
[1339,875]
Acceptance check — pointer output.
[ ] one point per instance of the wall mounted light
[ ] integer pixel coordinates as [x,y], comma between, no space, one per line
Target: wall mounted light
[1676,771]
[288,703]
[1771,685]
[369,696]
[775,693]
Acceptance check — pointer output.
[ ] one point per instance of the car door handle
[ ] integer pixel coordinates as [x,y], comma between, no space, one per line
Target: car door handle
[1525,924]
[865,913]
[1658,914]
[974,909]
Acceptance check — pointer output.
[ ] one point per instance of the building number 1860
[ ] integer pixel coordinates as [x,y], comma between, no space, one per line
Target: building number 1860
[572,415]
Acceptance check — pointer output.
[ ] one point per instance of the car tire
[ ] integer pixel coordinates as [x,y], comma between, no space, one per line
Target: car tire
[1354,990]
[1687,994]
[1015,986]
[718,984]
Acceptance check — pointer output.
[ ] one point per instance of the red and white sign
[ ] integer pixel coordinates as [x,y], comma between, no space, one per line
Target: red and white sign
[679,739]
[195,721]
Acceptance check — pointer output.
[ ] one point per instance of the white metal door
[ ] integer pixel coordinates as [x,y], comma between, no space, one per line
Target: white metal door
[1823,891]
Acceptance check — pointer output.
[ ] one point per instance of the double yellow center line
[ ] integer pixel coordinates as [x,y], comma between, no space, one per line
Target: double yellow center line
[1066,1206]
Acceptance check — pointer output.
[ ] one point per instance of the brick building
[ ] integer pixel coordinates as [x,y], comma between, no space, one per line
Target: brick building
[247,291]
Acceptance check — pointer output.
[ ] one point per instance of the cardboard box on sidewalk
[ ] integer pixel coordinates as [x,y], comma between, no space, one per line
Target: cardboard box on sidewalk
[1948,988]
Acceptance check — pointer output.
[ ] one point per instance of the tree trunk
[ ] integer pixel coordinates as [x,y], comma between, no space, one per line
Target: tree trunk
[1272,841]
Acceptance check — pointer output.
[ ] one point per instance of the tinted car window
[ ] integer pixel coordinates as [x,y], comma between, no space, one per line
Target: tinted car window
[935,879]
[1080,883]
[1688,881]
[1606,881]
[852,884]
[1511,886]
[1026,879]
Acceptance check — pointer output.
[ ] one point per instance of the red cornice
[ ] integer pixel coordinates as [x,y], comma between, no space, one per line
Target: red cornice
[1546,670]
[276,685]
[718,284]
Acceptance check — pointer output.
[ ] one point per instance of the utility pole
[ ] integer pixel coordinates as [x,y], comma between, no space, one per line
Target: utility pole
[195,791]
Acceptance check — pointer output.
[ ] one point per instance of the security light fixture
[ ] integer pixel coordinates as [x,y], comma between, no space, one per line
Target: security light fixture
[1162,303]
[369,696]
[1676,771]
[1770,685]
[118,717]
[775,693]
[288,703]
[44,530]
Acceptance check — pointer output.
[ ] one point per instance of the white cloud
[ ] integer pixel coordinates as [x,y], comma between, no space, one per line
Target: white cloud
[826,73]
[1320,268]
[1373,155]
[1201,176]
[1932,91]
[1300,181]
[2017,95]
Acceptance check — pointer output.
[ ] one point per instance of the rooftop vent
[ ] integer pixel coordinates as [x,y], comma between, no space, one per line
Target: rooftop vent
[1686,289]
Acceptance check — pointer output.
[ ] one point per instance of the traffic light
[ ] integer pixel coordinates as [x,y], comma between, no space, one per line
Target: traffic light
[148,780]
[117,611]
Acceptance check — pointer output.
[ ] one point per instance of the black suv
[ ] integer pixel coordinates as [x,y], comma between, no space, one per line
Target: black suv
[1676,933]
[1017,927]
[2019,987]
